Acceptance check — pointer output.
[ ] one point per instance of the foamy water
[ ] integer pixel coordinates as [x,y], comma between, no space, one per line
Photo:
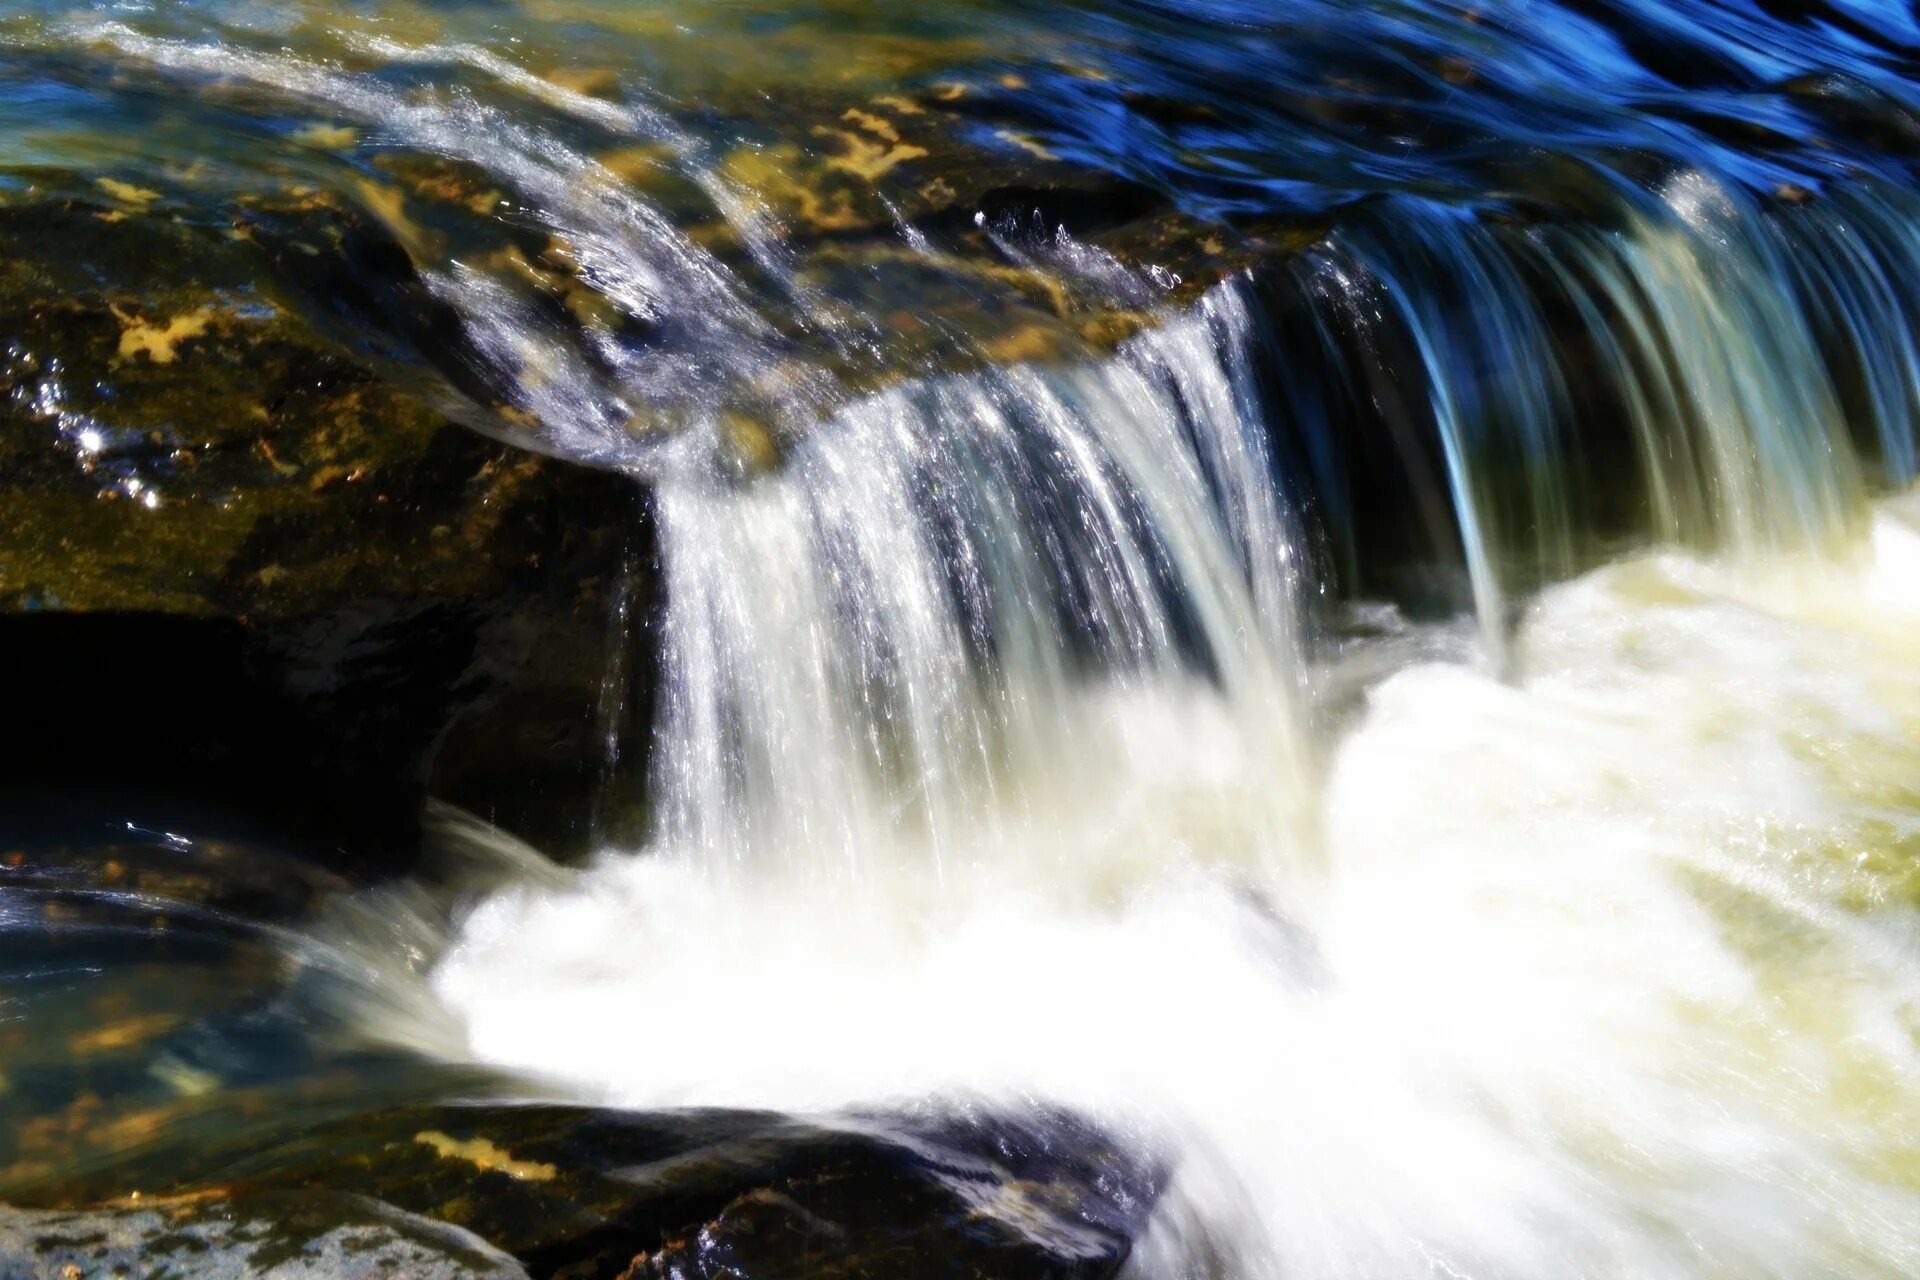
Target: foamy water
[1610,970]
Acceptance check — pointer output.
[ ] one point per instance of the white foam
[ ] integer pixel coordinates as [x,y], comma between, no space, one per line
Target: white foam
[1598,978]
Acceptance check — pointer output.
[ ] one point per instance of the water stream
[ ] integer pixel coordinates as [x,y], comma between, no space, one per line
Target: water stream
[1415,735]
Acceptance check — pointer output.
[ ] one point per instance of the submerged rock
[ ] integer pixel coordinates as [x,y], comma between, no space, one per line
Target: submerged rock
[324,1236]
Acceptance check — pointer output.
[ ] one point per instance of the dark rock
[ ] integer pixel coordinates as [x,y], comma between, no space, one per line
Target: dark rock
[1046,1197]
[241,558]
[1852,109]
[588,1194]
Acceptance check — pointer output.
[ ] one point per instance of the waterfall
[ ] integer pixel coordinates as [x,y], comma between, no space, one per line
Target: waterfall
[994,769]
[891,634]
[1712,358]
[1091,734]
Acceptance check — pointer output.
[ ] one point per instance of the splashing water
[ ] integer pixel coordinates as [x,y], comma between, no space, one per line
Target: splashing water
[1607,971]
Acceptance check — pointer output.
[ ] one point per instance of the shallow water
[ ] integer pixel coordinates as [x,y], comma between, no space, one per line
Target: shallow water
[1307,612]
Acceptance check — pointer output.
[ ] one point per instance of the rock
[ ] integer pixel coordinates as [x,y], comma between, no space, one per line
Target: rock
[306,1237]
[832,1224]
[243,558]
[594,1194]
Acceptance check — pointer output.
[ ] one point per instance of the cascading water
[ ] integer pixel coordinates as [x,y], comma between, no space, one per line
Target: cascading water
[889,643]
[1033,735]
[988,770]
[985,775]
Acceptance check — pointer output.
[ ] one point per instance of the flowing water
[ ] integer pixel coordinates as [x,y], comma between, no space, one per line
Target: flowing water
[1415,733]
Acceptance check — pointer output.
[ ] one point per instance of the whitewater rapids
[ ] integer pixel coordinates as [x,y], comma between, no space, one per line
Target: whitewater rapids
[1612,969]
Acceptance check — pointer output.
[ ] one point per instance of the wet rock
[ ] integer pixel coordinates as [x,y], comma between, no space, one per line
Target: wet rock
[1850,108]
[308,1237]
[241,556]
[984,205]
[976,1196]
[589,1194]
[819,1228]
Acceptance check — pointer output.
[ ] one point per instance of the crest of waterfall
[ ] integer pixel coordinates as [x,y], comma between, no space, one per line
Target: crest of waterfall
[1686,362]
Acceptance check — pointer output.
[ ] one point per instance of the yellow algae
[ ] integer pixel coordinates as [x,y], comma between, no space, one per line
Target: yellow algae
[768,173]
[126,192]
[866,159]
[1011,81]
[589,82]
[512,260]
[440,181]
[721,50]
[123,1034]
[486,1156]
[1114,327]
[1025,143]
[1029,342]
[950,91]
[631,164]
[628,20]
[1029,281]
[264,448]
[590,307]
[905,106]
[389,206]
[198,171]
[749,441]
[879,126]
[160,342]
[135,1129]
[1036,285]
[183,1079]
[329,137]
